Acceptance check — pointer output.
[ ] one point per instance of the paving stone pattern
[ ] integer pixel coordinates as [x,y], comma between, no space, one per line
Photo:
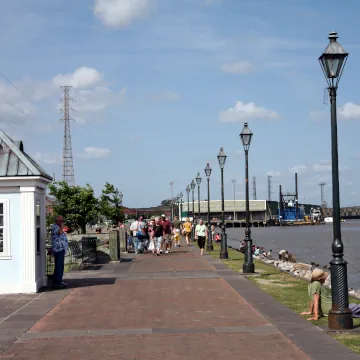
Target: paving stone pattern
[176,306]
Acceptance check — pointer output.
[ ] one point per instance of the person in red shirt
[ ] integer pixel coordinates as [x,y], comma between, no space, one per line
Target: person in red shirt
[167,228]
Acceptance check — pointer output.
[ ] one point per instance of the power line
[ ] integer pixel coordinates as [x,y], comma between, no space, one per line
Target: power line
[24,111]
[12,84]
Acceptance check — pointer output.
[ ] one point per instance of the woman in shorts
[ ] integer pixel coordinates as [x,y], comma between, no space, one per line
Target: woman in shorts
[187,226]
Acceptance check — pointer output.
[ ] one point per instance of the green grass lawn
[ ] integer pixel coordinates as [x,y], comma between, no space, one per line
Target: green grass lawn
[287,289]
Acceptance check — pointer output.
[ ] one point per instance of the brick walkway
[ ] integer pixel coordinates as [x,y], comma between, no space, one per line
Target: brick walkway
[176,306]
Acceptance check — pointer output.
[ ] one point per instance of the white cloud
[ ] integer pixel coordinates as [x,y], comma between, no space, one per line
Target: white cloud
[240,152]
[121,13]
[81,78]
[133,138]
[317,171]
[300,169]
[165,96]
[98,99]
[319,115]
[47,158]
[322,166]
[242,112]
[239,67]
[273,173]
[94,153]
[349,111]
[26,102]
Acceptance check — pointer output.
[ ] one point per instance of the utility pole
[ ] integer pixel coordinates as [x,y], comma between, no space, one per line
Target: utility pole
[234,185]
[254,187]
[67,158]
[269,187]
[172,200]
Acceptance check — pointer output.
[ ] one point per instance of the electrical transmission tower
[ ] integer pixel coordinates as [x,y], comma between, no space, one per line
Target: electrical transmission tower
[322,185]
[254,187]
[269,187]
[67,160]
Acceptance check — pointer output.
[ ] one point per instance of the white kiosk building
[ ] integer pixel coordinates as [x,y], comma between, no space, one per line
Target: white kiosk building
[23,186]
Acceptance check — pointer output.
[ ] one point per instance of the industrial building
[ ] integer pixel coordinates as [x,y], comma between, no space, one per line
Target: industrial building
[262,212]
[235,211]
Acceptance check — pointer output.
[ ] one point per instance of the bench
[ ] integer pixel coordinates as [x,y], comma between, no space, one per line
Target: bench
[84,251]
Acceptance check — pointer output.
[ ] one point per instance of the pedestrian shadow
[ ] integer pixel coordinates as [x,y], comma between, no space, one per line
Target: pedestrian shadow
[84,282]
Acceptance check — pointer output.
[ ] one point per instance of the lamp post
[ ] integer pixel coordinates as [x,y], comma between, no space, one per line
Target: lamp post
[198,181]
[121,195]
[222,159]
[332,62]
[188,199]
[192,185]
[181,195]
[176,203]
[209,246]
[248,266]
[172,199]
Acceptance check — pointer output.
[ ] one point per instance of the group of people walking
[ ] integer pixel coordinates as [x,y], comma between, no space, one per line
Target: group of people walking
[160,234]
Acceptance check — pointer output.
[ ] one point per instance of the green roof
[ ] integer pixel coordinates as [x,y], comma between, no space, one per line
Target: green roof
[14,161]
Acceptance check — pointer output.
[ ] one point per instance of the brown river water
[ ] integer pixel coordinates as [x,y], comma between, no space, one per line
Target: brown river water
[308,243]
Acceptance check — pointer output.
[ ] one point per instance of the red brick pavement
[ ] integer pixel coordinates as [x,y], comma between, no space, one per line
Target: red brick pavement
[172,262]
[160,347]
[173,304]
[151,304]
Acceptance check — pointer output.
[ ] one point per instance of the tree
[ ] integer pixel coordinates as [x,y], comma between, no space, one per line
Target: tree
[166,203]
[78,205]
[111,203]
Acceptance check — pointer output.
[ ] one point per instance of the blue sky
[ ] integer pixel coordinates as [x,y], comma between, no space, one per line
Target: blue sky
[154,81]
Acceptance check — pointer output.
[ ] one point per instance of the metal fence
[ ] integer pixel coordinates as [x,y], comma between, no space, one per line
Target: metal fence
[79,256]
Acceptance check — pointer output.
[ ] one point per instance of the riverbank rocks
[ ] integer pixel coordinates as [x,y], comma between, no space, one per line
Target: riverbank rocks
[302,266]
[354,293]
[303,271]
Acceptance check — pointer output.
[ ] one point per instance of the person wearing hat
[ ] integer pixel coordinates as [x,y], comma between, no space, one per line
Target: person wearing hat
[320,297]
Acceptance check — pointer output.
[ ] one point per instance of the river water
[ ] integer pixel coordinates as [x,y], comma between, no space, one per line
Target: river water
[308,243]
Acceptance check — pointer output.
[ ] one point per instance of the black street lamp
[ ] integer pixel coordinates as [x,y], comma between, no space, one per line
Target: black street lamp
[192,185]
[248,266]
[198,181]
[177,203]
[188,199]
[208,170]
[223,253]
[181,195]
[332,62]
[121,195]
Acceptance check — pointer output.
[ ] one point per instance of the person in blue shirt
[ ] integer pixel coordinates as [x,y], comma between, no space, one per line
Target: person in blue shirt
[59,244]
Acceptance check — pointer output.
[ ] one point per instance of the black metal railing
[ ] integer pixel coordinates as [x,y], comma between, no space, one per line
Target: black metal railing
[80,254]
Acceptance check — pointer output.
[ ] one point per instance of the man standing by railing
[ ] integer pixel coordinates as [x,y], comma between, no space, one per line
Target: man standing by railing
[59,244]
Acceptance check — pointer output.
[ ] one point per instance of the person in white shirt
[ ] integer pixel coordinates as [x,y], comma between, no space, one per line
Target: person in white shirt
[136,227]
[201,235]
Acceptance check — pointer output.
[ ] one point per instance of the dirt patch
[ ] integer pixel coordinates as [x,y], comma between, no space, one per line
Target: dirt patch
[273,283]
